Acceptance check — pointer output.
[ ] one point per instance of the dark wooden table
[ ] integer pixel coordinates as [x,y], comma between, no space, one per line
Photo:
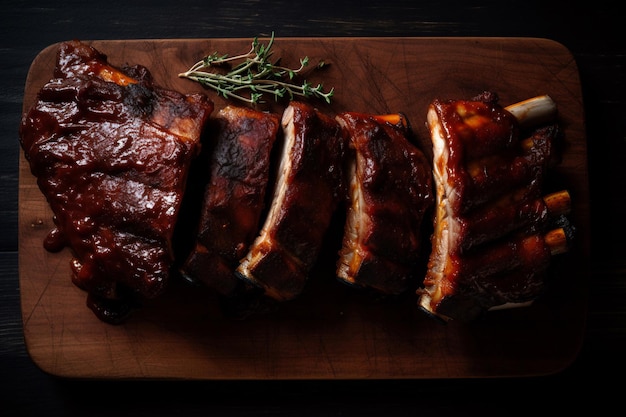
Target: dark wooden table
[592,32]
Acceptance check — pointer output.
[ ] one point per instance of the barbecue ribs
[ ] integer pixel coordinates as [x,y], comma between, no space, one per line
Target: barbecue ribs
[111,151]
[390,193]
[495,230]
[234,198]
[308,190]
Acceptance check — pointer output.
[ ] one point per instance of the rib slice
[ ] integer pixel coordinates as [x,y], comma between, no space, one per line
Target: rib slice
[493,239]
[111,152]
[234,198]
[308,190]
[390,192]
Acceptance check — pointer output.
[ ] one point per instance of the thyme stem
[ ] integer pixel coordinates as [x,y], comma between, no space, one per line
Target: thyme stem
[254,76]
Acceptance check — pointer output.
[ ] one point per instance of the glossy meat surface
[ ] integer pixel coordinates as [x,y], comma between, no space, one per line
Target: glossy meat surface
[390,193]
[234,198]
[308,190]
[111,152]
[490,244]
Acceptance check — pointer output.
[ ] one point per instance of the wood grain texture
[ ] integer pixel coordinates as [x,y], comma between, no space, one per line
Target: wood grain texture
[330,332]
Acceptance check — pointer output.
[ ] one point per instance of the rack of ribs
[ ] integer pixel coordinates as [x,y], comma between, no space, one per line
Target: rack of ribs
[390,191]
[495,229]
[234,197]
[111,152]
[308,189]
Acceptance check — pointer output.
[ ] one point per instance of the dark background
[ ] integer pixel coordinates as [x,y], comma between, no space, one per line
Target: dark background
[592,31]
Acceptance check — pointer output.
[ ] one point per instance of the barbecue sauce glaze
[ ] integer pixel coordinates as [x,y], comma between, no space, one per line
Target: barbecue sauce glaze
[111,152]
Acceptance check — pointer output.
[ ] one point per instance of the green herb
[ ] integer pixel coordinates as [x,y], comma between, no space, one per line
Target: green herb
[254,76]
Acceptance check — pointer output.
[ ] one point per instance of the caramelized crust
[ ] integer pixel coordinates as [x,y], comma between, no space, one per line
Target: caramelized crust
[489,245]
[111,152]
[234,198]
[390,192]
[308,190]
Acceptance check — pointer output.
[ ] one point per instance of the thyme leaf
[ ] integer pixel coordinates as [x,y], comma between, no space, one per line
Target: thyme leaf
[250,76]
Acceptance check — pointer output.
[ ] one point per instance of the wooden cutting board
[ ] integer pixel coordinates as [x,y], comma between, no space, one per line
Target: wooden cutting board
[331,331]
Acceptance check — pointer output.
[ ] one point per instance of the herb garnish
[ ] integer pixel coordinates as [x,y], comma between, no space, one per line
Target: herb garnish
[255,74]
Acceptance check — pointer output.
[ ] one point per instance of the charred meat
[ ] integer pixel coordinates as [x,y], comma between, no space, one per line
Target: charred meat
[308,190]
[111,151]
[234,198]
[390,190]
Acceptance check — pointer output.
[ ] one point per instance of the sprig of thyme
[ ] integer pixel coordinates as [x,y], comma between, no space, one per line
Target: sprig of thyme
[254,76]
